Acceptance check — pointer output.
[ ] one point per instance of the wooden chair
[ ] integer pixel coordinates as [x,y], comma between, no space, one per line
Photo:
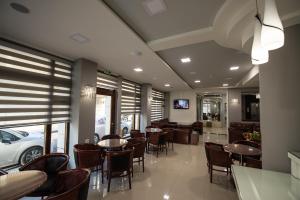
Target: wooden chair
[71,184]
[138,146]
[105,137]
[158,142]
[89,156]
[51,164]
[119,165]
[169,137]
[217,157]
[250,162]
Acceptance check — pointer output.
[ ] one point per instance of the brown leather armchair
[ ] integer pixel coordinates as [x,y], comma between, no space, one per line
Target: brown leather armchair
[51,164]
[71,184]
[198,126]
[182,136]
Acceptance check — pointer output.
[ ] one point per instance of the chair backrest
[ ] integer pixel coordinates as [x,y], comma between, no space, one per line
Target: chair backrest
[250,162]
[119,161]
[249,143]
[218,157]
[154,138]
[87,155]
[212,146]
[139,149]
[71,184]
[105,137]
[169,133]
[50,163]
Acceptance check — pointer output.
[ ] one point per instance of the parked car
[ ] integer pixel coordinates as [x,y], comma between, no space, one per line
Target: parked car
[19,147]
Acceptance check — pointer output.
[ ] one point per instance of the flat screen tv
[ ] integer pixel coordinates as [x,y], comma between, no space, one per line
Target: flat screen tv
[181,104]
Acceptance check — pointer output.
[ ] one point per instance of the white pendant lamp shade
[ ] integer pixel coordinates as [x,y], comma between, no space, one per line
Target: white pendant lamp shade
[272,36]
[259,54]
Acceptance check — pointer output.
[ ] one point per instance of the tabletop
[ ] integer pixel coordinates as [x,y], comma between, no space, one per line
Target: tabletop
[258,184]
[18,184]
[112,143]
[242,149]
[153,130]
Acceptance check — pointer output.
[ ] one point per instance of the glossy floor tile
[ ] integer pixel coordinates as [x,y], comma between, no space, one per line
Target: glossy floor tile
[181,175]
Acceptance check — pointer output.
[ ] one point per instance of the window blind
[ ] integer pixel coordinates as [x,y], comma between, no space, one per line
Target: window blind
[157,105]
[34,89]
[131,97]
[107,82]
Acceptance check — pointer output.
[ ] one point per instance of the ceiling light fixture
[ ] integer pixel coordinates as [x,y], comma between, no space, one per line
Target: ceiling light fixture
[272,34]
[20,8]
[185,60]
[167,85]
[138,69]
[77,37]
[234,68]
[197,81]
[154,7]
[225,84]
[259,54]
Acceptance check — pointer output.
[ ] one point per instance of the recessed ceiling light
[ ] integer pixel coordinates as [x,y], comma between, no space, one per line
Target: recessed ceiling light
[225,84]
[77,37]
[166,196]
[167,85]
[154,7]
[234,68]
[20,8]
[138,69]
[197,81]
[185,60]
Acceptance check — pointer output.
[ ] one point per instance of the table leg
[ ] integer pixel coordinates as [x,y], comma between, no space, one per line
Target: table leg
[241,159]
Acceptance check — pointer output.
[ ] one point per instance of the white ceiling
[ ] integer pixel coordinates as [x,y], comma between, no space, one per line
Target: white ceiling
[50,24]
[111,40]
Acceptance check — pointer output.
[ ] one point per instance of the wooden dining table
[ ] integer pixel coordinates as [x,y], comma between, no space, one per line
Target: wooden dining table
[242,150]
[19,184]
[112,143]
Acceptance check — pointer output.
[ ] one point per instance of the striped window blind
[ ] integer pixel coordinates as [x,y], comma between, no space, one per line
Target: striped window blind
[106,81]
[157,105]
[34,89]
[131,97]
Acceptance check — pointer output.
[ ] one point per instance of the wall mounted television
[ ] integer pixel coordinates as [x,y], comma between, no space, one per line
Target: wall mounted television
[181,104]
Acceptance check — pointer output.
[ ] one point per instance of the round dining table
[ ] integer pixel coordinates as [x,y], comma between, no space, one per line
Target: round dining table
[242,150]
[112,143]
[19,184]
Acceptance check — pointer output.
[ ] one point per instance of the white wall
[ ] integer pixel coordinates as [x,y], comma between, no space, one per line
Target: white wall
[234,108]
[187,116]
[280,103]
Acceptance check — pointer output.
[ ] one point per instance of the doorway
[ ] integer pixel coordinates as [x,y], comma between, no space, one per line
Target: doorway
[105,113]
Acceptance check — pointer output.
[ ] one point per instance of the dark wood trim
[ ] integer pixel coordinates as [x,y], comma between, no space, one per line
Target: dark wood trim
[113,94]
[48,130]
[67,137]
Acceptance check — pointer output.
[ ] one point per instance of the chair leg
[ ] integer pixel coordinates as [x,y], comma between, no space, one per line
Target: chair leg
[157,152]
[211,174]
[129,179]
[172,146]
[166,150]
[109,180]
[143,160]
[132,168]
[102,172]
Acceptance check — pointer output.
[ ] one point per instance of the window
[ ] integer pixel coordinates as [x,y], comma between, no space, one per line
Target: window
[157,105]
[130,107]
[21,145]
[35,92]
[58,138]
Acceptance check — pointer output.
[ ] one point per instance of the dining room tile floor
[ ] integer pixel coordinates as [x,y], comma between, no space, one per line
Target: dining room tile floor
[181,175]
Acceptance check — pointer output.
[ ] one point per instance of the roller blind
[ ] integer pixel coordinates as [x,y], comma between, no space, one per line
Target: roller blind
[107,81]
[157,105]
[131,97]
[34,89]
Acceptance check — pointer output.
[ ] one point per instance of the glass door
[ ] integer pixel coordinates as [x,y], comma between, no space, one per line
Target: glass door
[104,120]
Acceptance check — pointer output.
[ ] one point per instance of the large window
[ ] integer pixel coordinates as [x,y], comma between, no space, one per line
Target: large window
[35,100]
[157,105]
[130,107]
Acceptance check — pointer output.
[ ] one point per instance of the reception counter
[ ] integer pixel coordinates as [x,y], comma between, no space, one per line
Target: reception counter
[257,184]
